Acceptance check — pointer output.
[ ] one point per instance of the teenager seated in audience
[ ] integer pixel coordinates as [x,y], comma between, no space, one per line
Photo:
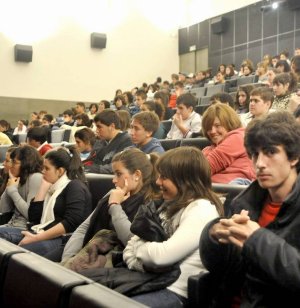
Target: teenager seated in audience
[125,119]
[120,103]
[283,66]
[226,155]
[254,252]
[219,78]
[24,180]
[185,121]
[113,141]
[272,72]
[157,108]
[261,72]
[178,90]
[37,138]
[222,97]
[161,97]
[188,204]
[87,144]
[140,98]
[103,104]
[134,180]
[242,99]
[4,177]
[229,72]
[60,205]
[143,125]
[199,80]
[261,100]
[285,87]
[5,140]
[80,108]
[21,127]
[93,109]
[247,69]
[295,68]
[6,129]
[68,116]
[34,123]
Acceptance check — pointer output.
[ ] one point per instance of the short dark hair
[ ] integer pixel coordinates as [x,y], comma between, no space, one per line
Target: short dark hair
[68,112]
[277,128]
[108,117]
[38,134]
[265,93]
[187,99]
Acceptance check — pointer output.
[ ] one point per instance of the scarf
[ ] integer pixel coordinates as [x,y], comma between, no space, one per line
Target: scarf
[49,203]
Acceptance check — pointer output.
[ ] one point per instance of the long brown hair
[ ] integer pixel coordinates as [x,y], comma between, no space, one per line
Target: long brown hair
[134,159]
[189,171]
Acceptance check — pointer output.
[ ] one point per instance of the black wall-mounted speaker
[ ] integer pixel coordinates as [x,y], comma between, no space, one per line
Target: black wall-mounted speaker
[218,25]
[98,40]
[23,53]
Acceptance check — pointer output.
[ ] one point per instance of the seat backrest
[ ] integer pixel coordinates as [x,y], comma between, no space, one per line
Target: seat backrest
[33,281]
[21,138]
[229,191]
[99,186]
[57,135]
[168,144]
[205,101]
[198,92]
[167,125]
[3,150]
[67,135]
[96,295]
[201,108]
[245,80]
[215,89]
[200,142]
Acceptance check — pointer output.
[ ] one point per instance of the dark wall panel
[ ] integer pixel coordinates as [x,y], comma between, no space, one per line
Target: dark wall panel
[228,34]
[193,35]
[227,56]
[297,13]
[270,23]
[203,34]
[214,60]
[285,42]
[254,52]
[183,41]
[240,55]
[255,23]
[270,46]
[215,41]
[297,39]
[240,26]
[286,19]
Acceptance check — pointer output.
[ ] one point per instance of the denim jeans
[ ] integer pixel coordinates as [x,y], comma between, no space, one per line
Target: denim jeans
[162,298]
[11,234]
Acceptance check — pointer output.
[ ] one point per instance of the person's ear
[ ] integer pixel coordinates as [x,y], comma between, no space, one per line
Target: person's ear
[294,162]
[137,175]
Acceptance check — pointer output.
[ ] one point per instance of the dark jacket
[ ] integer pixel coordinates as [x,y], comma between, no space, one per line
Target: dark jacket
[73,205]
[268,267]
[101,162]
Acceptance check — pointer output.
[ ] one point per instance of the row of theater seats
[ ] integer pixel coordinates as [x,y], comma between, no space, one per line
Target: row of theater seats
[56,136]
[28,280]
[199,142]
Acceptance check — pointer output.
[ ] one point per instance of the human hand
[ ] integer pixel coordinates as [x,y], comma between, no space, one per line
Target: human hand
[12,180]
[28,238]
[118,195]
[177,118]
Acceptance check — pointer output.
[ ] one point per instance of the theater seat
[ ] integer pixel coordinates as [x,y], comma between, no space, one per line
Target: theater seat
[99,185]
[200,142]
[33,281]
[168,144]
[96,296]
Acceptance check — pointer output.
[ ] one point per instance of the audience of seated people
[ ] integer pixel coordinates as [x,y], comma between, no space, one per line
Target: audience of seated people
[242,99]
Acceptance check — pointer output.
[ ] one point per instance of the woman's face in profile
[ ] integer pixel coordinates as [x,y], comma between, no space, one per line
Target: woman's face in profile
[168,188]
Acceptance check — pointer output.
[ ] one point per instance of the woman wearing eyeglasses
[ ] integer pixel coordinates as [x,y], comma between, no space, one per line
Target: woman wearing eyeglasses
[24,181]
